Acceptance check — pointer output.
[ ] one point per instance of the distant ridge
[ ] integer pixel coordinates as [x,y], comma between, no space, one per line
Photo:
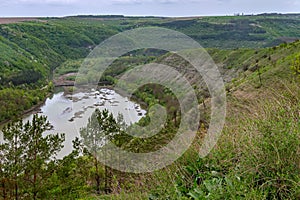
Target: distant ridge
[9,20]
[113,16]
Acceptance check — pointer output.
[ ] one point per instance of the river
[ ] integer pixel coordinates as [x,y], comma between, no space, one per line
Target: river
[68,113]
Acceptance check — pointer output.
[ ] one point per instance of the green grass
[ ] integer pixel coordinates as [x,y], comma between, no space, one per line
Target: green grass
[257,156]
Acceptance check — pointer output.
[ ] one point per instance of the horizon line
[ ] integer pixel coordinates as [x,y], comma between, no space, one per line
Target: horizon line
[156,16]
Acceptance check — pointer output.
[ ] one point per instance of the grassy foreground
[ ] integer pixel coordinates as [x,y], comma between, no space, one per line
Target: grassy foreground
[258,154]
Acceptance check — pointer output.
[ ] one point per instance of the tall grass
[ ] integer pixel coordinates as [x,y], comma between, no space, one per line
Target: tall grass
[257,157]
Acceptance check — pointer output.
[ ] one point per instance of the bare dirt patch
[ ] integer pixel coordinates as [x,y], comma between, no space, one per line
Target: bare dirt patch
[62,80]
[11,20]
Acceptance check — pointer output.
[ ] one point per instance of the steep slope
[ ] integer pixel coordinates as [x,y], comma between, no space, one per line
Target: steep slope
[31,50]
[257,155]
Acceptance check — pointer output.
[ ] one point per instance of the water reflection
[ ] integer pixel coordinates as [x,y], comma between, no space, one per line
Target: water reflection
[67,114]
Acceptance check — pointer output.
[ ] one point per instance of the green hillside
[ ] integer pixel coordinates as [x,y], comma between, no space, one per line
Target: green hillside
[42,46]
[256,157]
[30,51]
[223,32]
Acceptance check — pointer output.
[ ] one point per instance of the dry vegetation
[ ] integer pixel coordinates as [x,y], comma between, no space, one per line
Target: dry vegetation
[12,20]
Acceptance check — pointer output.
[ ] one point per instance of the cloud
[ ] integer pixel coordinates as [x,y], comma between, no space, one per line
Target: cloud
[143,7]
[62,2]
[130,1]
[86,2]
[152,1]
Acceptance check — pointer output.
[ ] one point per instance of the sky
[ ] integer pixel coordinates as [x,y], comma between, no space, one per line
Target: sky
[51,8]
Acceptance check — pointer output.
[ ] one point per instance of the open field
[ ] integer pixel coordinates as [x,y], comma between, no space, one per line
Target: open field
[12,20]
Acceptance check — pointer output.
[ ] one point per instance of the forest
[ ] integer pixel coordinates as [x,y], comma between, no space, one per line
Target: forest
[256,157]
[44,45]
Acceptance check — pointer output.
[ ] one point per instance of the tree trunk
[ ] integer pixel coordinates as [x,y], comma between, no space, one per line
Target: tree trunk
[175,117]
[34,195]
[204,105]
[16,175]
[16,190]
[97,177]
[3,189]
[107,180]
[34,186]
[34,172]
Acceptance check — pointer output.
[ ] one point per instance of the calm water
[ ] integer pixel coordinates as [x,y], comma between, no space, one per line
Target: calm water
[67,114]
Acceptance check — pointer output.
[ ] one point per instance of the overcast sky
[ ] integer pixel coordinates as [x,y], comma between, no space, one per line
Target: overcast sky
[145,7]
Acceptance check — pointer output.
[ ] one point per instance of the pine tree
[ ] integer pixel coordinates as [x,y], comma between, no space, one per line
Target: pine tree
[39,150]
[12,159]
[25,154]
[101,127]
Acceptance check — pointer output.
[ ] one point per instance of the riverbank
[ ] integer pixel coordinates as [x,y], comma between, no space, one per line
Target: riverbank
[33,110]
[69,113]
[69,90]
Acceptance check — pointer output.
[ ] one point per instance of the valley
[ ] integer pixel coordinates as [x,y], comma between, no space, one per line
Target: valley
[256,156]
